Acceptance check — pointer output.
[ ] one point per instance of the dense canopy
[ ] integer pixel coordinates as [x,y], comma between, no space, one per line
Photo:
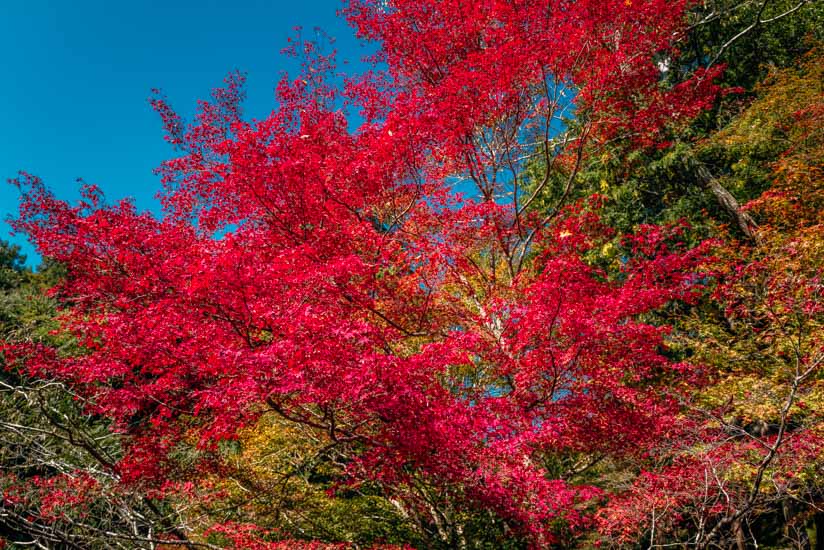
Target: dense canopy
[518,306]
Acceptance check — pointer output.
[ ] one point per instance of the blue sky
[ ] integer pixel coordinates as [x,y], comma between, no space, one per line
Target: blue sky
[75,78]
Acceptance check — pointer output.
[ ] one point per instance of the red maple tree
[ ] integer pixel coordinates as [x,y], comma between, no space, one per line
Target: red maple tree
[337,279]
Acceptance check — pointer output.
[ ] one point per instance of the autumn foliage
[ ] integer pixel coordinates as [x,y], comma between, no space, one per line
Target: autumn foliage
[392,298]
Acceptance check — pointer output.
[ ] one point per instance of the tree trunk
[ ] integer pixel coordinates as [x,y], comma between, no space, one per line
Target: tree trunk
[738,531]
[728,202]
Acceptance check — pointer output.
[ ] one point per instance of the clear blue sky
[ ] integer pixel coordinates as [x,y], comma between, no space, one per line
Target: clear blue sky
[75,77]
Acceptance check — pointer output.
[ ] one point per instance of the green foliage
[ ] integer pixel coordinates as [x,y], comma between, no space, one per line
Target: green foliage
[12,264]
[752,37]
